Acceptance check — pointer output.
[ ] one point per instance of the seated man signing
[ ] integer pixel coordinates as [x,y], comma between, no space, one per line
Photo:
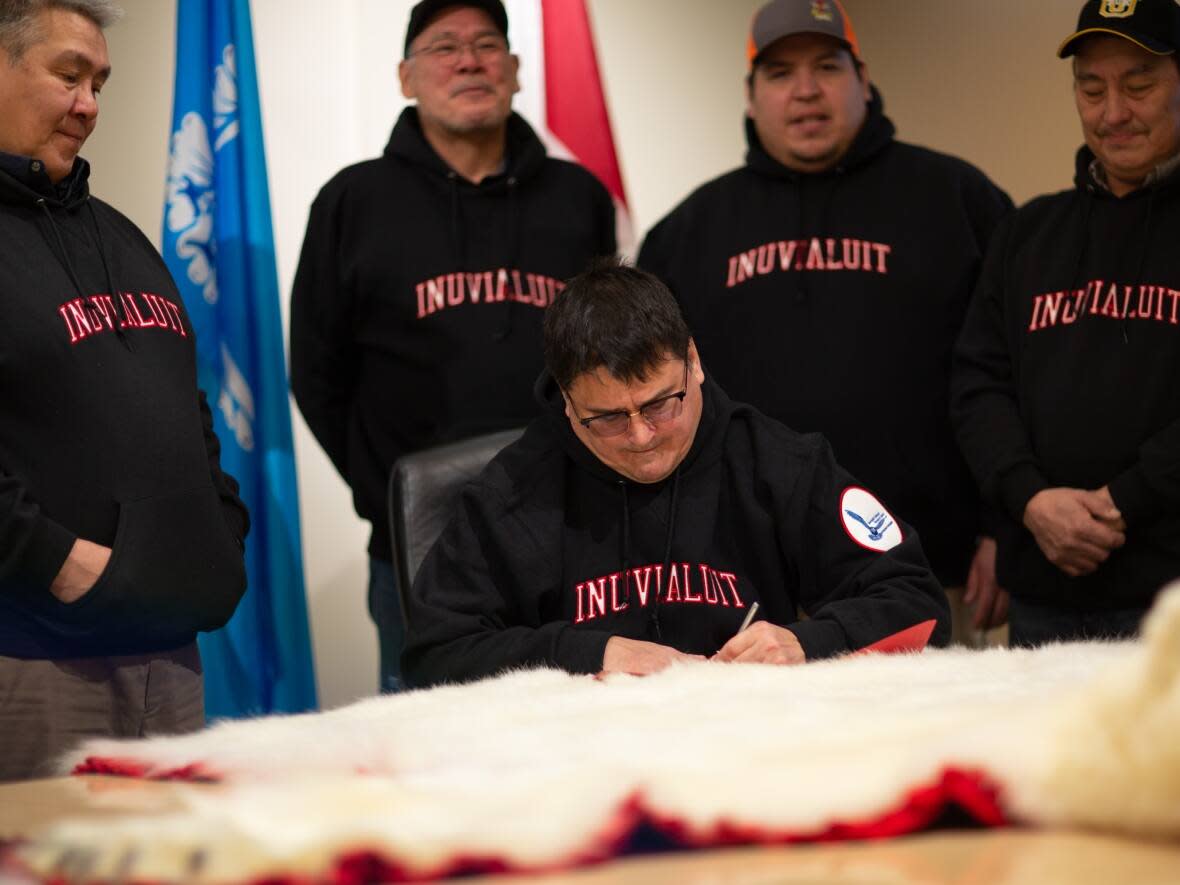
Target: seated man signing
[637,521]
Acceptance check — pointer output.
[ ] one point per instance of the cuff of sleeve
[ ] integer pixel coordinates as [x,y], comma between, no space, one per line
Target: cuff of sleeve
[1017,487]
[48,549]
[1134,497]
[238,520]
[581,651]
[820,638]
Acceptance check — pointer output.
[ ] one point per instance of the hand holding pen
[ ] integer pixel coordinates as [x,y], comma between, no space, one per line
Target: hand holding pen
[761,643]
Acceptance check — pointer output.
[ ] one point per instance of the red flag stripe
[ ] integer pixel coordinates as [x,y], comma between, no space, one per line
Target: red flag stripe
[575,105]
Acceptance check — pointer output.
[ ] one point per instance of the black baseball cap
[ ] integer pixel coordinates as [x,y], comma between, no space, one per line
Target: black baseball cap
[423,12]
[1151,24]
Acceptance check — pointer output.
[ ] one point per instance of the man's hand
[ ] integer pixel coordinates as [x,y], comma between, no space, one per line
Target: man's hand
[1076,529]
[987,600]
[762,643]
[640,658]
[1116,521]
[80,571]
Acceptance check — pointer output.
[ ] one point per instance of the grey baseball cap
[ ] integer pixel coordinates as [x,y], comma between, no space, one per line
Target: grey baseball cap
[784,18]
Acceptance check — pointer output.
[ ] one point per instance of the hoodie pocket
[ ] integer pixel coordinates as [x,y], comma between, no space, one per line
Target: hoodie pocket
[175,569]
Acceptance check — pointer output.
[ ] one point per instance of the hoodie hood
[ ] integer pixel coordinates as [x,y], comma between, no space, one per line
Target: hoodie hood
[23,182]
[524,153]
[876,134]
[1165,176]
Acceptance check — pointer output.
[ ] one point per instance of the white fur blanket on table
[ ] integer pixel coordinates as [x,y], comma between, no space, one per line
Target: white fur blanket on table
[540,770]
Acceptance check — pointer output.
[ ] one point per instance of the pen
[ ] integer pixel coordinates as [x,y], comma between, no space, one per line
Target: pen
[749,617]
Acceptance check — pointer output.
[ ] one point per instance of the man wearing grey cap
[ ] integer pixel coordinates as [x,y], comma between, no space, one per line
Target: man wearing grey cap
[1064,395]
[825,281]
[417,305]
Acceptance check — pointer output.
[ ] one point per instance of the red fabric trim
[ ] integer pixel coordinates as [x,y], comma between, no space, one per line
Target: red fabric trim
[194,772]
[913,638]
[969,790]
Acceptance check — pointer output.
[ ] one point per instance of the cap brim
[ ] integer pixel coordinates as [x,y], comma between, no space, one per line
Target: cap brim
[753,53]
[1067,47]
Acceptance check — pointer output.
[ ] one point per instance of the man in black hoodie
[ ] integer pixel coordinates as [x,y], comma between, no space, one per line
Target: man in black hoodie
[120,537]
[644,515]
[1065,386]
[417,306]
[826,280]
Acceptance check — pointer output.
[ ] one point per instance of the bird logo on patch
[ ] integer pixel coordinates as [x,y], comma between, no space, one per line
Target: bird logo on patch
[867,522]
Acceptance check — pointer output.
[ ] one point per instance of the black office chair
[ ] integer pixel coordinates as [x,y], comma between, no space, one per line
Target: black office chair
[423,489]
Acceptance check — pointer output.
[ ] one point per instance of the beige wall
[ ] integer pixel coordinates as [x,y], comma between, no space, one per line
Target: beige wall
[980,80]
[976,79]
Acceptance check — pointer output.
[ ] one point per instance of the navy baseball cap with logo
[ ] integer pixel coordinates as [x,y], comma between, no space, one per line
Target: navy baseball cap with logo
[785,18]
[423,12]
[1151,24]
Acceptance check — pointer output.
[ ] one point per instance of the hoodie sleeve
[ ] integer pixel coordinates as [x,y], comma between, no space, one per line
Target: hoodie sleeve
[465,618]
[323,353]
[1151,486]
[984,409]
[32,546]
[237,517]
[855,592]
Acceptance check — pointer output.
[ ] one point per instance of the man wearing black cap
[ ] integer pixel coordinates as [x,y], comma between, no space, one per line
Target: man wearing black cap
[417,305]
[1065,396]
[826,280]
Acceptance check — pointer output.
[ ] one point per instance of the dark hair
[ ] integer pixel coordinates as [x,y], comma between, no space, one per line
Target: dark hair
[614,316]
[20,25]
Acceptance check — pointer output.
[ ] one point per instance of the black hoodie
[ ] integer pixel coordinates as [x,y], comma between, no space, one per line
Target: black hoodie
[551,553]
[1068,374]
[103,434]
[417,306]
[831,301]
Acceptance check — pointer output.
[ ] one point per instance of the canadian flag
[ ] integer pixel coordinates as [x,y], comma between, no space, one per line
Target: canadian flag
[561,93]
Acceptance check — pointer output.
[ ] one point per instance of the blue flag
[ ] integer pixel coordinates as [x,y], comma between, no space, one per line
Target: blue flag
[219,245]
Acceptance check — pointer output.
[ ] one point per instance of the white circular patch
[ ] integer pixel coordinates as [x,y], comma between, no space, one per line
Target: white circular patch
[867,521]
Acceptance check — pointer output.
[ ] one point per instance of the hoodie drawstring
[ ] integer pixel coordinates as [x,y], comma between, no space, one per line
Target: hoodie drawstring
[63,257]
[116,297]
[666,573]
[513,256]
[1144,247]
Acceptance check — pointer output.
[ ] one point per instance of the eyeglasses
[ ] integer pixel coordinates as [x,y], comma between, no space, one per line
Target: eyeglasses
[447,52]
[658,411]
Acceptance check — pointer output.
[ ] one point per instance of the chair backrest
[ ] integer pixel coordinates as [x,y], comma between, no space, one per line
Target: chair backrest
[423,489]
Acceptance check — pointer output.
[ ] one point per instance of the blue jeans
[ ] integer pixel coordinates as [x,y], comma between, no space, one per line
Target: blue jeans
[386,611]
[1032,623]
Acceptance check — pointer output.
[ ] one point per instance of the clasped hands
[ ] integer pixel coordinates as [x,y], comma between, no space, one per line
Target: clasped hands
[761,643]
[1076,529]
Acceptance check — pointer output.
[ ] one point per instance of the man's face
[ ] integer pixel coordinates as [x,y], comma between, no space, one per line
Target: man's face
[645,452]
[49,97]
[464,92]
[1129,103]
[807,98]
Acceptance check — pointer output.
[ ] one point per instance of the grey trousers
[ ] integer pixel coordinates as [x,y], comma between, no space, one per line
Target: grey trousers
[48,707]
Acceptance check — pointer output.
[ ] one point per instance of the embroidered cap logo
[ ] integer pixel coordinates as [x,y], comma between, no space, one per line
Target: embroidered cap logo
[1118,8]
[821,10]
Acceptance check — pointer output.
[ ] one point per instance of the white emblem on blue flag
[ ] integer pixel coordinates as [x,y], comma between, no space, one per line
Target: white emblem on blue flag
[867,522]
[191,196]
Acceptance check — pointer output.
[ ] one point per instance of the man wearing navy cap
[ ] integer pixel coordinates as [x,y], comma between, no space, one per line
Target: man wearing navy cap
[1065,394]
[417,305]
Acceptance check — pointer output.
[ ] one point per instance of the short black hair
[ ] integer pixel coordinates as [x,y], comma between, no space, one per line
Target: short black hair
[615,316]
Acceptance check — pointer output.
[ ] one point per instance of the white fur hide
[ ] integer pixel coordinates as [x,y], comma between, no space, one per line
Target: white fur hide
[540,769]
